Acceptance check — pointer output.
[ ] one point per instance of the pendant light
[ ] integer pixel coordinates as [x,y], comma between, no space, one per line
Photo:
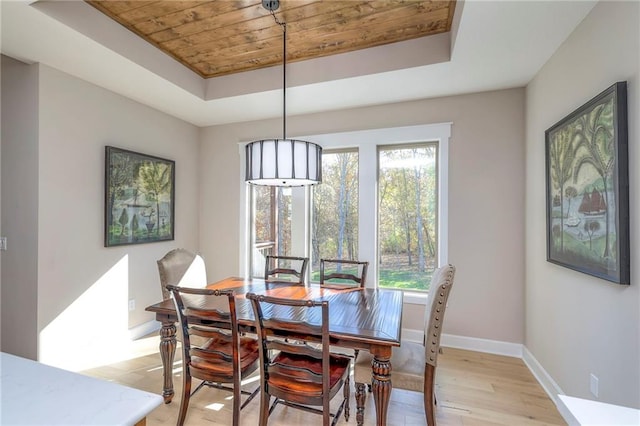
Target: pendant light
[283,162]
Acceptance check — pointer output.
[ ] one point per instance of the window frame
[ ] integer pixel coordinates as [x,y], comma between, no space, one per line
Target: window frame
[366,142]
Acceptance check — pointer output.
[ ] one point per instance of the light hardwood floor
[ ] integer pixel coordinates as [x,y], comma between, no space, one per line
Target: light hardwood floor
[472,388]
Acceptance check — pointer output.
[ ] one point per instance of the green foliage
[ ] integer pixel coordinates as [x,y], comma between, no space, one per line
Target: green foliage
[262,211]
[597,150]
[156,183]
[124,220]
[134,225]
[121,175]
[335,208]
[404,280]
[584,252]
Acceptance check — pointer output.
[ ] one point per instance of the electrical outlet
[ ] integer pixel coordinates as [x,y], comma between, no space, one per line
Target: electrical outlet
[593,384]
[132,304]
[3,243]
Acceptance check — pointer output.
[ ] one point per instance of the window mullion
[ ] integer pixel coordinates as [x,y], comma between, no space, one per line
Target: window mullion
[367,209]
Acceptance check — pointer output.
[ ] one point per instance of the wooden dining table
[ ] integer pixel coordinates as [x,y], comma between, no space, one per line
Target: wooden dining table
[363,319]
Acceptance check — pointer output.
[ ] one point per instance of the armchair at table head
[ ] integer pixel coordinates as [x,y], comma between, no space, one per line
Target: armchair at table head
[338,273]
[286,269]
[180,267]
[414,364]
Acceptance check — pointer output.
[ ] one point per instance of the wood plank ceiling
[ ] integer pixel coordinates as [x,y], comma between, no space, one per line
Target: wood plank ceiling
[215,38]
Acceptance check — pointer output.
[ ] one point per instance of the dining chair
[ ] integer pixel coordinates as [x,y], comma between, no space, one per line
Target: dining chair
[212,348]
[414,364]
[343,274]
[285,269]
[180,267]
[298,376]
[339,274]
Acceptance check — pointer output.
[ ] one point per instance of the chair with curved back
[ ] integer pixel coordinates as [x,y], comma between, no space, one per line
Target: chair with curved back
[212,348]
[298,376]
[343,274]
[285,269]
[339,274]
[414,364]
[180,267]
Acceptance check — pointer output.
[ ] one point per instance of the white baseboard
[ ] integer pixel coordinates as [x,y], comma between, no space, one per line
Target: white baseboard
[546,381]
[469,343]
[143,329]
[412,335]
[482,345]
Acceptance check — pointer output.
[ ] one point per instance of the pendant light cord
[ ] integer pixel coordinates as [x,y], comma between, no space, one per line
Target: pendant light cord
[284,74]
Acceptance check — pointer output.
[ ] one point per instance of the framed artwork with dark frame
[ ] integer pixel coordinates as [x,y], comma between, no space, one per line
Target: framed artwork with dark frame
[139,198]
[588,188]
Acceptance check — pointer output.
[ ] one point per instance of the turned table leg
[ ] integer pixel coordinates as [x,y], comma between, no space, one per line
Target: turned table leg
[360,398]
[167,353]
[381,383]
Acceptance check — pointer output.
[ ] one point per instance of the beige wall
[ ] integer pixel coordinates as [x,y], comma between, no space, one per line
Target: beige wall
[486,198]
[83,288]
[19,207]
[577,324]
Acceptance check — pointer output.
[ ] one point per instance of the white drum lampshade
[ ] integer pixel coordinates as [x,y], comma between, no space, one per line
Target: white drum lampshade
[283,162]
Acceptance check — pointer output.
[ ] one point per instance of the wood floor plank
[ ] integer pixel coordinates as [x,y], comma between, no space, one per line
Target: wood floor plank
[472,388]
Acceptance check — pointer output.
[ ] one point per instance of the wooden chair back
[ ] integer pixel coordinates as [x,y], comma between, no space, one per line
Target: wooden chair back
[212,348]
[286,269]
[289,369]
[338,273]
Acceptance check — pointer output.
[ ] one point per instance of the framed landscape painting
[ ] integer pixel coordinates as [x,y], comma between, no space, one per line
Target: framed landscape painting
[588,188]
[139,198]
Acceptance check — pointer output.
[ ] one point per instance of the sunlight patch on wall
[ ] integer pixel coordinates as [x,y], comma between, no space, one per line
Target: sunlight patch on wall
[93,330]
[195,275]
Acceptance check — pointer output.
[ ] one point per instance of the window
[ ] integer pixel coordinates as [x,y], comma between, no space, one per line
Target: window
[334,229]
[407,215]
[370,229]
[270,225]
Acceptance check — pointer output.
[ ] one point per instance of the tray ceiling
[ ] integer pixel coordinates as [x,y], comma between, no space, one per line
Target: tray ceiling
[215,38]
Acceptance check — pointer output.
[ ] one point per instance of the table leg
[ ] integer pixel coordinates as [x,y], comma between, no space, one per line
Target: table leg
[167,353]
[381,384]
[360,398]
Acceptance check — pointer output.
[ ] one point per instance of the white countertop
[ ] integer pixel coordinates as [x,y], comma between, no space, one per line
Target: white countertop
[586,412]
[32,393]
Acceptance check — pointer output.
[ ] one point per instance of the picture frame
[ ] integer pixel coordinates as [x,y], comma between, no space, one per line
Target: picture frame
[139,198]
[587,188]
